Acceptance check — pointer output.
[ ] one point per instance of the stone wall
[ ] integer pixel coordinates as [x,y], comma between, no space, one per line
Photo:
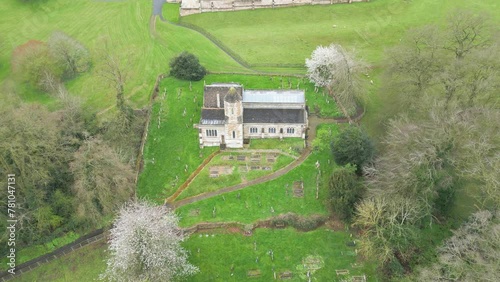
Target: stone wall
[189,7]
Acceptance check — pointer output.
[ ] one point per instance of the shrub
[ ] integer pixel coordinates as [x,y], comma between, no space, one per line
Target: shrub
[186,66]
[352,146]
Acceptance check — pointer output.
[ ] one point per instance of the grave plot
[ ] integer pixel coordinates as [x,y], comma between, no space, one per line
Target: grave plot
[255,158]
[254,273]
[216,171]
[228,169]
[271,158]
[194,212]
[243,168]
[228,157]
[298,189]
[286,275]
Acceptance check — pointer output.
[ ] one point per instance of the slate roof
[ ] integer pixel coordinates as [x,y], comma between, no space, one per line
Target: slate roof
[274,96]
[273,116]
[210,94]
[212,116]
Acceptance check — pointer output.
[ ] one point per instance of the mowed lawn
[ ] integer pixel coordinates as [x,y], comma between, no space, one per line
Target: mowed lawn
[124,25]
[265,37]
[230,257]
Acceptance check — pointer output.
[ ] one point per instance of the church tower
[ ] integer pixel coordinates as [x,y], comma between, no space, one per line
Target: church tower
[233,110]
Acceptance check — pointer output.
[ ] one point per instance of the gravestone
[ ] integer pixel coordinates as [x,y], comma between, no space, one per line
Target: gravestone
[255,158]
[253,273]
[285,275]
[298,189]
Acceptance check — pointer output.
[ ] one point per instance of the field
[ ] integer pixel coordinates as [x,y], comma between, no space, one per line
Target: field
[123,24]
[272,40]
[294,33]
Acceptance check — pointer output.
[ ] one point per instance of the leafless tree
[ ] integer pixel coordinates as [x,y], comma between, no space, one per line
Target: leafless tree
[102,182]
[69,53]
[471,254]
[466,31]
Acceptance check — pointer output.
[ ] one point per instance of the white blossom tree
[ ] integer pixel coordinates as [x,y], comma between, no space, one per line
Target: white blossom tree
[335,69]
[145,245]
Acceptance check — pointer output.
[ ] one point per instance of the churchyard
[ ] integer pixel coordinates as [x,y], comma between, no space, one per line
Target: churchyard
[172,154]
[178,107]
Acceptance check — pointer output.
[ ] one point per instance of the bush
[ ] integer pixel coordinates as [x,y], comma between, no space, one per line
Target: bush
[301,223]
[352,146]
[186,66]
[345,192]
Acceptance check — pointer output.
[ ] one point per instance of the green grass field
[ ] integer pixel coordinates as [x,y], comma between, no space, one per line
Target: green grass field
[124,24]
[289,35]
[215,255]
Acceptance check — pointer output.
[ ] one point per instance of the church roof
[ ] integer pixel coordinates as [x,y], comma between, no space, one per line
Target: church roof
[273,116]
[212,116]
[274,96]
[211,91]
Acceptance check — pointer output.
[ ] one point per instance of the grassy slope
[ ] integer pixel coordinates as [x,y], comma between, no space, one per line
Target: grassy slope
[125,24]
[289,248]
[289,35]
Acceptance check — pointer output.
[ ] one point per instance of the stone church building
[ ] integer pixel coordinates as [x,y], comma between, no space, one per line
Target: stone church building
[232,115]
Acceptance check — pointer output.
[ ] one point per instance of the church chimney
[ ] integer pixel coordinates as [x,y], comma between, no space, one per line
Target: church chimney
[218,100]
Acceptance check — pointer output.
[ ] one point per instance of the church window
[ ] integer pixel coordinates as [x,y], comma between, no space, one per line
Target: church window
[234,134]
[254,130]
[272,130]
[290,130]
[211,132]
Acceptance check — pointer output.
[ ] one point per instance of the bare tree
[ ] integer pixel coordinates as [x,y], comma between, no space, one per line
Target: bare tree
[102,181]
[413,64]
[335,69]
[466,31]
[145,246]
[388,226]
[69,53]
[471,254]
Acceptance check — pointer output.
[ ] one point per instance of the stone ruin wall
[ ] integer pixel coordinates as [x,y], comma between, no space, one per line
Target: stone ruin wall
[189,7]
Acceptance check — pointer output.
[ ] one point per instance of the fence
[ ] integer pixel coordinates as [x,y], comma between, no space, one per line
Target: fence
[92,237]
